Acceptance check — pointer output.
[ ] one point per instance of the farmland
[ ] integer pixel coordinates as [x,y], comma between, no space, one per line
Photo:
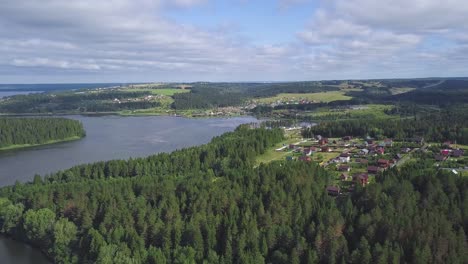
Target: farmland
[312,97]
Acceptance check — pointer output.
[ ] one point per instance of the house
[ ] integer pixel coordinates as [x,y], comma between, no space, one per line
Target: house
[383,163]
[305,158]
[364,161]
[370,141]
[447,144]
[398,156]
[307,151]
[318,137]
[371,147]
[405,150]
[333,190]
[326,149]
[458,153]
[323,141]
[380,151]
[373,169]
[344,157]
[344,168]
[418,140]
[445,152]
[362,178]
[439,157]
[347,138]
[292,146]
[388,142]
[344,176]
[364,151]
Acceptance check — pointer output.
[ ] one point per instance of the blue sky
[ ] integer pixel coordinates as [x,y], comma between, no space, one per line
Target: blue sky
[260,21]
[230,40]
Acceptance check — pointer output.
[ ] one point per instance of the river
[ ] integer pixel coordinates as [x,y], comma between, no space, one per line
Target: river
[107,137]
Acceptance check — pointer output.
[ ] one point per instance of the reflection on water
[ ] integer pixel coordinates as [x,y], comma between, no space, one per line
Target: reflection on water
[113,137]
[108,137]
[15,252]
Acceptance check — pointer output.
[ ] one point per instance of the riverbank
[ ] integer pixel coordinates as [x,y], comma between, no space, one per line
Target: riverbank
[50,142]
[19,251]
[185,114]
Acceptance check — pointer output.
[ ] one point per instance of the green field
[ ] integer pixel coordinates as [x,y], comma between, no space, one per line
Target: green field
[401,90]
[318,97]
[367,111]
[166,92]
[271,154]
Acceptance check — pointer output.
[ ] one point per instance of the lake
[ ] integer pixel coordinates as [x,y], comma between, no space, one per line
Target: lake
[107,137]
[113,137]
[15,252]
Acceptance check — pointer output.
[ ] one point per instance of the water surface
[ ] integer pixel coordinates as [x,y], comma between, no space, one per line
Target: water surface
[15,252]
[113,137]
[108,137]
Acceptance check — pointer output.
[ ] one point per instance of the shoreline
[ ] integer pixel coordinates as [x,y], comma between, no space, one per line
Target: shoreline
[28,244]
[50,142]
[118,114]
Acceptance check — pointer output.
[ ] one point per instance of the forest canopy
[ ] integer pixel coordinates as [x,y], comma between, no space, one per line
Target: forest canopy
[36,131]
[210,204]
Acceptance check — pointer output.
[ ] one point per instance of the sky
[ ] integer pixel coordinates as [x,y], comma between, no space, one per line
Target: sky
[89,41]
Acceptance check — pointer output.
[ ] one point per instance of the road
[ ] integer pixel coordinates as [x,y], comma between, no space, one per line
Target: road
[434,84]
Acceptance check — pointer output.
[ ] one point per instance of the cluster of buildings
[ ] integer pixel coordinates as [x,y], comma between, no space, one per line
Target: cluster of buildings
[357,160]
[143,99]
[448,150]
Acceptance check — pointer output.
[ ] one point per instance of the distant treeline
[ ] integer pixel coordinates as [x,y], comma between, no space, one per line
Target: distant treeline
[75,101]
[209,204]
[447,93]
[209,95]
[20,131]
[450,125]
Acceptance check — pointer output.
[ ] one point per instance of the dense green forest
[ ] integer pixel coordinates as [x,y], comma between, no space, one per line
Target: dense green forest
[209,204]
[446,125]
[76,102]
[35,131]
[212,95]
[206,95]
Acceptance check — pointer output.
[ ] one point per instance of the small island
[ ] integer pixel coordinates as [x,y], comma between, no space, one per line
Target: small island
[16,133]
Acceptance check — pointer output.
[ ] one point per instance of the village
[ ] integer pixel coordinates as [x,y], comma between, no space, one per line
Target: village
[357,161]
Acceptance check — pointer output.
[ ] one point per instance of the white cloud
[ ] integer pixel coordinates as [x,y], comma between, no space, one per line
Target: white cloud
[368,37]
[45,62]
[135,40]
[403,15]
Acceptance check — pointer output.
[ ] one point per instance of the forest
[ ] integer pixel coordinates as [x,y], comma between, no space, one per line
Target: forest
[209,204]
[36,131]
[207,95]
[76,102]
[450,124]
[212,95]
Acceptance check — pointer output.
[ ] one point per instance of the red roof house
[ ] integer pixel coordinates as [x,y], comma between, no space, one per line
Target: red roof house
[333,190]
[445,152]
[373,169]
[344,168]
[383,163]
[380,151]
[305,158]
[323,141]
[362,178]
